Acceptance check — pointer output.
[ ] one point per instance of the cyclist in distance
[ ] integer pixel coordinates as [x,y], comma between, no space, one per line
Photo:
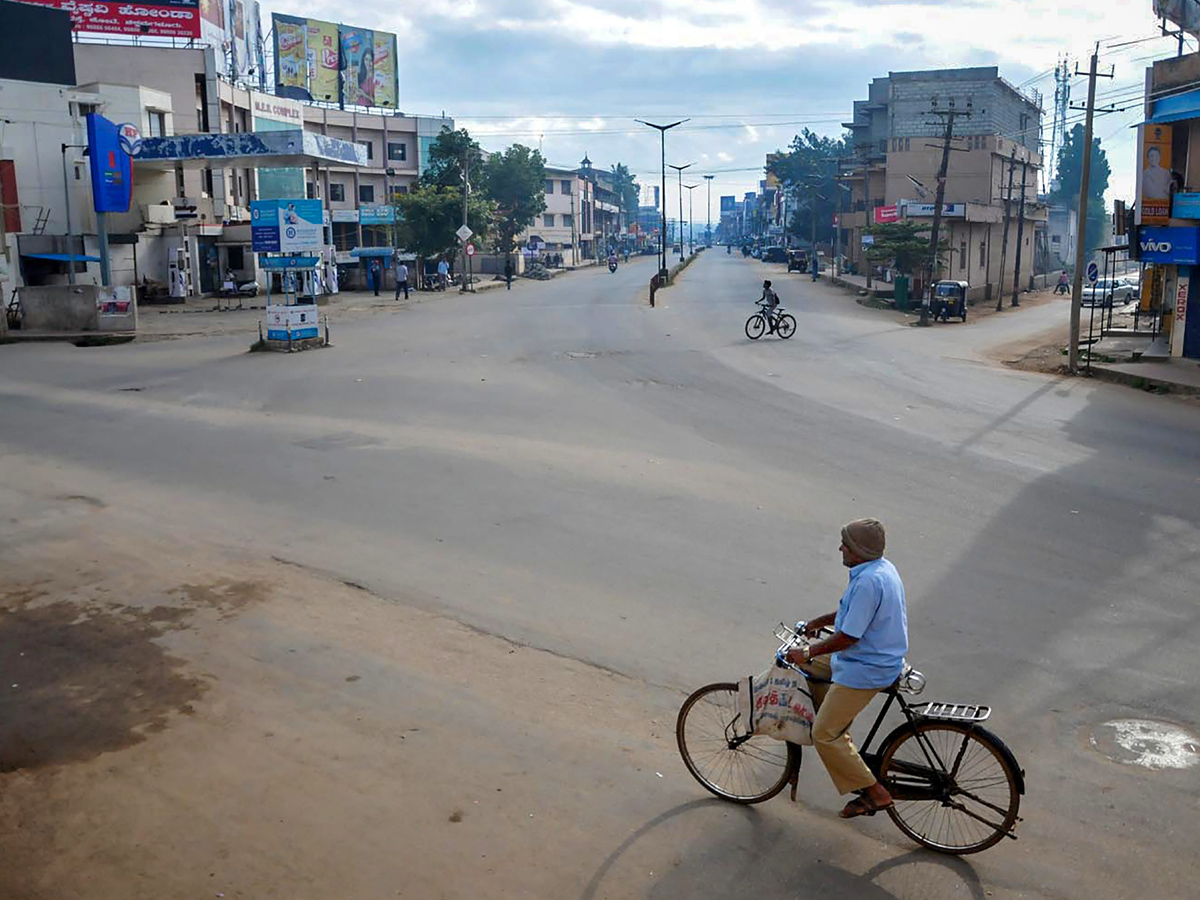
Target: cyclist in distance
[770,301]
[864,656]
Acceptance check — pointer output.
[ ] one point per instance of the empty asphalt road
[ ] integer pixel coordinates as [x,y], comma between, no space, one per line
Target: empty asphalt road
[642,494]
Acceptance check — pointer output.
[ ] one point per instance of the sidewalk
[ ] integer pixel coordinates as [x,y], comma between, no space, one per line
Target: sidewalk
[1175,375]
[879,289]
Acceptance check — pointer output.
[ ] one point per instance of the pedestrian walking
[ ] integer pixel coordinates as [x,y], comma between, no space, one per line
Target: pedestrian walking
[443,274]
[508,274]
[376,276]
[401,278]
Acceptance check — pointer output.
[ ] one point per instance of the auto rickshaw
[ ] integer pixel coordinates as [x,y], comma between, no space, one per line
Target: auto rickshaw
[797,261]
[949,299]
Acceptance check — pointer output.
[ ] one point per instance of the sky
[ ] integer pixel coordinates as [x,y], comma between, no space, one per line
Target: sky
[572,76]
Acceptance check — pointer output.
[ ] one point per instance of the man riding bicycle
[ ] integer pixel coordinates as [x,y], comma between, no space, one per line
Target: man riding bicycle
[770,302]
[864,656]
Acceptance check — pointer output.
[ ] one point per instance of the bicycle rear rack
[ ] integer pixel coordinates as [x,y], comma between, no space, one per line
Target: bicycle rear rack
[957,712]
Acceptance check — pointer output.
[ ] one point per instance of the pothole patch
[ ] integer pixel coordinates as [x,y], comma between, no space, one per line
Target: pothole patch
[1147,743]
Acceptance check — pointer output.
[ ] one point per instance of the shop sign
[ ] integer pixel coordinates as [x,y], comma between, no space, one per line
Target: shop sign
[886,214]
[167,18]
[1173,246]
[344,216]
[1185,206]
[925,210]
[376,215]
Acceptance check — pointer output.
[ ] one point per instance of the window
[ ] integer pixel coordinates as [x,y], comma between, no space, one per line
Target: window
[566,187]
[566,220]
[397,151]
[982,254]
[179,186]
[883,146]
[962,254]
[549,186]
[370,148]
[1056,238]
[87,108]
[158,123]
[337,191]
[366,193]
[208,183]
[398,191]
[345,235]
[548,220]
[310,190]
[907,144]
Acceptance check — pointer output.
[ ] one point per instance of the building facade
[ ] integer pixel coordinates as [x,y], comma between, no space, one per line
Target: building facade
[565,226]
[991,181]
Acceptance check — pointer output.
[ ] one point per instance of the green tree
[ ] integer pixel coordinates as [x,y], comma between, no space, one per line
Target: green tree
[905,242]
[515,181]
[1070,176]
[808,167]
[626,188]
[430,215]
[449,150]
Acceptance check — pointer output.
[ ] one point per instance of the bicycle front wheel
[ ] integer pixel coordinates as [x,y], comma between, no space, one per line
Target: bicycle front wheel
[755,326]
[786,326]
[721,756]
[955,786]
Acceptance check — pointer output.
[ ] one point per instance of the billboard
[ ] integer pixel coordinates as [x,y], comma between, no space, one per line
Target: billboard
[1154,174]
[286,226]
[728,204]
[886,214]
[164,18]
[317,60]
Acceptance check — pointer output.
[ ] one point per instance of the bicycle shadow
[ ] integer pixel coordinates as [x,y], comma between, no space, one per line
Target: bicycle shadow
[754,853]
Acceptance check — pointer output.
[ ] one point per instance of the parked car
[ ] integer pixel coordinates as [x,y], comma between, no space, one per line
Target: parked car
[774,255]
[1108,291]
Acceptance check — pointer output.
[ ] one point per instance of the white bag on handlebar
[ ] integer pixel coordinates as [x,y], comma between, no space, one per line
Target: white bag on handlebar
[777,704]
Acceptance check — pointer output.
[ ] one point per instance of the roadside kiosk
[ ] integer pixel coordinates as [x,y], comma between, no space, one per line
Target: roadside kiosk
[288,237]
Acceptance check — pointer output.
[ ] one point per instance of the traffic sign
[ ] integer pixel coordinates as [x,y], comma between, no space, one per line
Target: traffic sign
[463,233]
[470,249]
[1093,272]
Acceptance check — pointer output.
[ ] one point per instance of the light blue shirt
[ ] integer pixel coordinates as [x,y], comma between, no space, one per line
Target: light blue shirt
[872,610]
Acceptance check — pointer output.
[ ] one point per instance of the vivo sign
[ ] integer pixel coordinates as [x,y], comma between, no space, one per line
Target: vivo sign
[1180,246]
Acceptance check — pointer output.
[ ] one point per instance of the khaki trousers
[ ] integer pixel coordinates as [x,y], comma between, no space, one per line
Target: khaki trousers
[837,705]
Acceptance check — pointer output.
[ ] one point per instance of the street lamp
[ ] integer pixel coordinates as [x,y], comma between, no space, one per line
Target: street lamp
[708,228]
[662,237]
[680,169]
[691,228]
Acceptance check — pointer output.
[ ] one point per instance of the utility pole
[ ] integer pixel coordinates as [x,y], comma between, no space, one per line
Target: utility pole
[708,227]
[1012,164]
[662,235]
[949,115]
[466,191]
[1084,182]
[1020,231]
[680,169]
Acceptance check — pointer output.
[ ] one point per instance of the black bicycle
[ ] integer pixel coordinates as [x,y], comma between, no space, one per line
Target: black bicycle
[956,786]
[780,323]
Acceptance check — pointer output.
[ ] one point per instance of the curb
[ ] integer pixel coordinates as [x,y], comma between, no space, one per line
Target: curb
[1145,382]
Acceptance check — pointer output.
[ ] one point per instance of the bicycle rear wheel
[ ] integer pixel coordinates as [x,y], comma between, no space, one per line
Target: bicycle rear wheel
[964,802]
[716,750]
[786,326]
[755,326]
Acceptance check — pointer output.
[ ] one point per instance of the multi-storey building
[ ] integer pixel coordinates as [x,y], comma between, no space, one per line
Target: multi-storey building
[897,138]
[565,226]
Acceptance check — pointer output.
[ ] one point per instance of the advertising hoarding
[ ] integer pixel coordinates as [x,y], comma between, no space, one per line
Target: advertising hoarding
[316,60]
[1154,174]
[949,210]
[376,215]
[165,18]
[728,204]
[286,226]
[886,214]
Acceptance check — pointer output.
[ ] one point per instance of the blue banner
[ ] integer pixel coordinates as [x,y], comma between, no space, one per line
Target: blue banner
[112,172]
[287,226]
[1174,246]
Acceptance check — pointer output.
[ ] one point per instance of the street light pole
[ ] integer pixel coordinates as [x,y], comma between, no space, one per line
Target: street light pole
[680,169]
[691,227]
[708,227]
[662,235]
